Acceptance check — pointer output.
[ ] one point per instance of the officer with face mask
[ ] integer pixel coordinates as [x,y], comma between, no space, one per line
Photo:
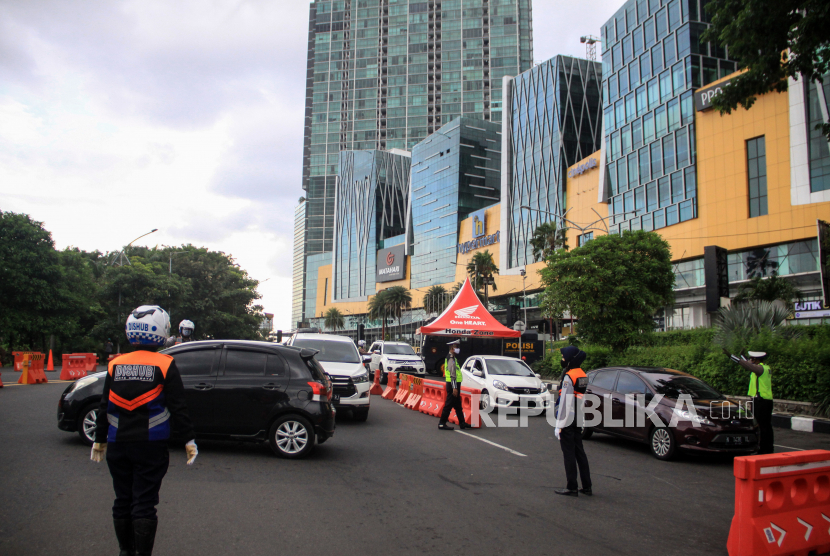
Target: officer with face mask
[452,374]
[760,390]
[143,392]
[568,428]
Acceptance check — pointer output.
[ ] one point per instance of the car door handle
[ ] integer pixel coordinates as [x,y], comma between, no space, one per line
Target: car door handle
[203,386]
[270,386]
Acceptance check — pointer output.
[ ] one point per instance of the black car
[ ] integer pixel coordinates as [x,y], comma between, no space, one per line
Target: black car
[235,390]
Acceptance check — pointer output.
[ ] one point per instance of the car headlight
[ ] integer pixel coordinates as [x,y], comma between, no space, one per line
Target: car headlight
[500,385]
[362,377]
[86,381]
[686,415]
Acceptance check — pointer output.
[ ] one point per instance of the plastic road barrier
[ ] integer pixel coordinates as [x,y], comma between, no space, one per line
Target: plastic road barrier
[36,360]
[1,380]
[391,386]
[782,504]
[75,366]
[432,400]
[376,388]
[403,389]
[31,374]
[469,403]
[417,390]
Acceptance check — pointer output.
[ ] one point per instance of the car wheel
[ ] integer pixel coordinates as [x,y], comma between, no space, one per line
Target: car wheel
[484,402]
[587,433]
[662,443]
[360,415]
[291,437]
[87,424]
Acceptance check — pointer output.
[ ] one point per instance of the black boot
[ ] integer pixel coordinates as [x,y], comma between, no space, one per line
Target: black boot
[145,536]
[124,534]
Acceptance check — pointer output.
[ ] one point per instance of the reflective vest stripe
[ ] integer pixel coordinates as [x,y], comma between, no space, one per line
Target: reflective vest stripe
[130,405]
[112,420]
[158,419]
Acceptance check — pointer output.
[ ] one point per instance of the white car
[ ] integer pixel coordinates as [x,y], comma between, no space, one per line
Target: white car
[342,362]
[395,357]
[506,382]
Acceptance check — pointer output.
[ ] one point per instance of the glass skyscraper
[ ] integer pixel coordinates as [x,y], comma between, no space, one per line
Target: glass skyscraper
[552,121]
[298,266]
[384,74]
[455,171]
[653,58]
[372,201]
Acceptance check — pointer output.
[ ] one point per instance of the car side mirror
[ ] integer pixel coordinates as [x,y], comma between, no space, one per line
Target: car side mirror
[479,374]
[538,376]
[376,352]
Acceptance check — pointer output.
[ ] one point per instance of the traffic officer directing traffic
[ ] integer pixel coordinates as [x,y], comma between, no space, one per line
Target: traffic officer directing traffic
[568,421]
[760,390]
[452,373]
[142,392]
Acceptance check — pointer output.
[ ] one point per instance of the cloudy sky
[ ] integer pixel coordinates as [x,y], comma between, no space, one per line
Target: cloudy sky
[117,117]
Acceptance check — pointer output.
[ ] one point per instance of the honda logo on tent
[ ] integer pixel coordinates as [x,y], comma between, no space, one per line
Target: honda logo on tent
[466,312]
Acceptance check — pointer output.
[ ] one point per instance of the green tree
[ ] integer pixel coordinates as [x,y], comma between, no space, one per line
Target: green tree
[398,299]
[547,238]
[614,284]
[767,289]
[481,269]
[334,320]
[773,40]
[435,300]
[379,309]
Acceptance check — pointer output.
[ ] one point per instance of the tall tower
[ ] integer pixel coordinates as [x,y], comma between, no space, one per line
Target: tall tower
[384,74]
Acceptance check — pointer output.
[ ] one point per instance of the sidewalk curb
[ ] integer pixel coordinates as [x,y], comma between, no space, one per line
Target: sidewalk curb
[803,424]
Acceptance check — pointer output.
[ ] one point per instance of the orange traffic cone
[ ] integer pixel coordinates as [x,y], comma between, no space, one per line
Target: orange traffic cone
[1,380]
[50,366]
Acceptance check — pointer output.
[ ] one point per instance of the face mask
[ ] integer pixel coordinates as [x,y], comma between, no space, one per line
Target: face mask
[456,350]
[564,364]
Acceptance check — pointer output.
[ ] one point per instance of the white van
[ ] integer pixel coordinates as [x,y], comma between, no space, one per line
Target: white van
[342,362]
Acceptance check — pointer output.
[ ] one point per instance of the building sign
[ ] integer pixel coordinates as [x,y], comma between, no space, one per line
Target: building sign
[582,168]
[468,246]
[703,97]
[391,264]
[478,219]
[810,310]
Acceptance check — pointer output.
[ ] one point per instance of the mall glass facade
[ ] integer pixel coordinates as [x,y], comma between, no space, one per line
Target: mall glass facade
[653,58]
[372,201]
[818,99]
[552,122]
[312,265]
[455,171]
[298,265]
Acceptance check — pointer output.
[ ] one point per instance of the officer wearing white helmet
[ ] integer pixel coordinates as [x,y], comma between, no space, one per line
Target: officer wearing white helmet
[361,347]
[760,390]
[186,329]
[143,391]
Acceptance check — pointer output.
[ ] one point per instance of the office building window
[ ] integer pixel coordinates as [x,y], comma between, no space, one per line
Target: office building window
[585,238]
[756,161]
[818,94]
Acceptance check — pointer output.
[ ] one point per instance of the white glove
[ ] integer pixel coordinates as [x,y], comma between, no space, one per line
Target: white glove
[192,452]
[98,452]
[557,432]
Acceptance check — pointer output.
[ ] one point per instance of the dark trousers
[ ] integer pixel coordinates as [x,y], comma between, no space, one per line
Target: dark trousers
[137,469]
[570,439]
[763,413]
[452,402]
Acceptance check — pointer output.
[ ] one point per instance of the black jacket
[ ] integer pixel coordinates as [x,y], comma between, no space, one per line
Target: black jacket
[143,392]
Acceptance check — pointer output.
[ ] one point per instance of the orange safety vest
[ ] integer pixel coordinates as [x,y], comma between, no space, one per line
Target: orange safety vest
[579,380]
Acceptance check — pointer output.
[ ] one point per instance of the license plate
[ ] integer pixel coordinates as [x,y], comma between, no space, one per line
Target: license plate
[335,398]
[737,440]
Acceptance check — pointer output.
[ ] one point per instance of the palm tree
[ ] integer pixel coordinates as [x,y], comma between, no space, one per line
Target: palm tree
[398,299]
[546,238]
[767,289]
[455,289]
[379,309]
[334,320]
[435,300]
[481,268]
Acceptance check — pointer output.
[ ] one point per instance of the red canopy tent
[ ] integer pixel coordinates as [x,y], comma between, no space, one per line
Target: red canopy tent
[466,316]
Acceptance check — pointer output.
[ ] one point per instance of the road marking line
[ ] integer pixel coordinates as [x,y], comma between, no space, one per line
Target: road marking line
[789,447]
[492,443]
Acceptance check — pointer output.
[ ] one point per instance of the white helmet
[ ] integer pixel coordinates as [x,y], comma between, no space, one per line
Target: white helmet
[186,328]
[149,325]
[361,343]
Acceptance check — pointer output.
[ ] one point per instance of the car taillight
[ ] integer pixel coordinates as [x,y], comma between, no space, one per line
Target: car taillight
[319,392]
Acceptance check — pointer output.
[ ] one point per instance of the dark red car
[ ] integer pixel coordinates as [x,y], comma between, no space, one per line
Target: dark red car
[717,424]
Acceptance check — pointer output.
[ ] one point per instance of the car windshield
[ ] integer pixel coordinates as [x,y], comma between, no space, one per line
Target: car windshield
[508,367]
[337,352]
[673,386]
[398,350]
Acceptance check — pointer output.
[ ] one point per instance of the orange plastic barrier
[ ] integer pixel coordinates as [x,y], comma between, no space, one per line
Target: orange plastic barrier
[74,366]
[18,360]
[35,361]
[1,380]
[432,400]
[469,403]
[416,391]
[782,504]
[376,388]
[403,389]
[391,386]
[50,366]
[31,374]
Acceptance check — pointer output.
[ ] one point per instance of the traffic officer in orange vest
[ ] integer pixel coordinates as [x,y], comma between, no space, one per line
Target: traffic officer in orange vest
[568,425]
[452,374]
[143,391]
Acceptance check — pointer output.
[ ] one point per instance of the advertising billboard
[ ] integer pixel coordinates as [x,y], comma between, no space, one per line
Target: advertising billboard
[391,264]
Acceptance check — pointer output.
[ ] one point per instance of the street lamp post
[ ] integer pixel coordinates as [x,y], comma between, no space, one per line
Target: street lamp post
[121,263]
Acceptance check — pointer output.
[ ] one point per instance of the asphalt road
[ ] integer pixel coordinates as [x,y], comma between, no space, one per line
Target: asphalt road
[395,484]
